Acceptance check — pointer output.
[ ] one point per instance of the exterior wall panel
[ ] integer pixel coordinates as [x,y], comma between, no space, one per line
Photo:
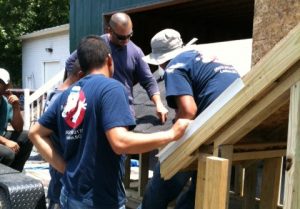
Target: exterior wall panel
[86,15]
[34,55]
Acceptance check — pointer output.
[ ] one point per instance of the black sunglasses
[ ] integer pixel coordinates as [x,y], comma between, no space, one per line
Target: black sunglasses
[122,37]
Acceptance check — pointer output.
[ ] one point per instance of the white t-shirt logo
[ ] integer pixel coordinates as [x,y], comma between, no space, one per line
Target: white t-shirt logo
[74,110]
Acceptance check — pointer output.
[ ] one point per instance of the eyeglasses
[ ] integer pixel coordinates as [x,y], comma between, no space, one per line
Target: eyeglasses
[122,37]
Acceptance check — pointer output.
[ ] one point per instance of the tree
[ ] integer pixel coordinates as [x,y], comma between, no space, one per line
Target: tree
[18,17]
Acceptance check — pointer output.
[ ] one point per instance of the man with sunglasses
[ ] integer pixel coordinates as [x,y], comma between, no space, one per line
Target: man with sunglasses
[129,64]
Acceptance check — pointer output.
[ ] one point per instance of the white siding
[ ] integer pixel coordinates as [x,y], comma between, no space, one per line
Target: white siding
[34,57]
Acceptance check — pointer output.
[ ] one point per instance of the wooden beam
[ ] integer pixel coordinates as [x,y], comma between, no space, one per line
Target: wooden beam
[226,152]
[182,164]
[280,59]
[258,155]
[259,111]
[248,163]
[292,182]
[143,172]
[203,150]
[260,146]
[216,176]
[270,183]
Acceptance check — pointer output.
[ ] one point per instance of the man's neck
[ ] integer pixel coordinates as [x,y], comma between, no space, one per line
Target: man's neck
[66,84]
[97,72]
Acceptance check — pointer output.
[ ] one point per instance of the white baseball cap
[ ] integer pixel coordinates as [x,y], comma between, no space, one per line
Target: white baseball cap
[4,76]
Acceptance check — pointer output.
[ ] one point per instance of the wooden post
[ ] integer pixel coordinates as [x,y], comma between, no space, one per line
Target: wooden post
[127,172]
[270,183]
[238,180]
[216,176]
[292,182]
[199,197]
[250,187]
[226,151]
[143,173]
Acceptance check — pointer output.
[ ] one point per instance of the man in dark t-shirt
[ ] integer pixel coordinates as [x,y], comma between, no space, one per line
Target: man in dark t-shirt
[73,74]
[128,63]
[192,83]
[92,119]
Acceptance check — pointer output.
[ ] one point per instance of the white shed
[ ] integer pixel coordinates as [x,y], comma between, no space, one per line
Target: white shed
[44,54]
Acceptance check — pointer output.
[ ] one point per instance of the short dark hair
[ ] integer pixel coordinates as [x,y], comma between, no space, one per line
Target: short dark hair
[75,69]
[92,52]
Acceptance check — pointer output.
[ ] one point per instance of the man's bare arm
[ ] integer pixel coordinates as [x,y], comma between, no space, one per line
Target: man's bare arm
[186,107]
[123,141]
[17,121]
[40,137]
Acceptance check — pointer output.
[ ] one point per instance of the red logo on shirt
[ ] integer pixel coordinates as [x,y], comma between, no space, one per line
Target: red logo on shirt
[74,110]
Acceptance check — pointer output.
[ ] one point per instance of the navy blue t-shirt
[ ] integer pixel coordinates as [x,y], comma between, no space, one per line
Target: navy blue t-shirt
[188,74]
[130,68]
[81,116]
[55,184]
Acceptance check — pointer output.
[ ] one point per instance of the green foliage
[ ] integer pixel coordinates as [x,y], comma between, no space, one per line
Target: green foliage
[18,17]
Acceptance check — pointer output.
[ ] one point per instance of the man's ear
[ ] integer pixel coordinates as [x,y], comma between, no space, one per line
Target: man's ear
[110,65]
[9,85]
[109,61]
[109,30]
[80,74]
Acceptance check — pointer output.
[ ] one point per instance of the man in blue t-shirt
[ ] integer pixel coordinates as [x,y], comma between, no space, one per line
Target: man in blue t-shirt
[73,74]
[15,146]
[93,119]
[193,81]
[128,63]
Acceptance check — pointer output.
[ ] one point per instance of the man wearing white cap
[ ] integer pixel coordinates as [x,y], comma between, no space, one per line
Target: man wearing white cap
[15,146]
[192,83]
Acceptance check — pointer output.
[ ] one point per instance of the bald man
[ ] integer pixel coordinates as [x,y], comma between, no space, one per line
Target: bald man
[128,62]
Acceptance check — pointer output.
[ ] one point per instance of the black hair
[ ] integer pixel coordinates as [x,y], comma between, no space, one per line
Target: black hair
[2,82]
[92,53]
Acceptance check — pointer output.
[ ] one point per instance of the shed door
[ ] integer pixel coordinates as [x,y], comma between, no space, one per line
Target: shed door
[50,70]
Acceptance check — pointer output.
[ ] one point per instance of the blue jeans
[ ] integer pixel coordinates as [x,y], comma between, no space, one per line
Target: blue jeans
[159,193]
[54,186]
[68,202]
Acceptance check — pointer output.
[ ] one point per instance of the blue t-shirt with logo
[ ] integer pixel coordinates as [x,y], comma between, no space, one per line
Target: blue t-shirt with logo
[81,116]
[189,74]
[55,185]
